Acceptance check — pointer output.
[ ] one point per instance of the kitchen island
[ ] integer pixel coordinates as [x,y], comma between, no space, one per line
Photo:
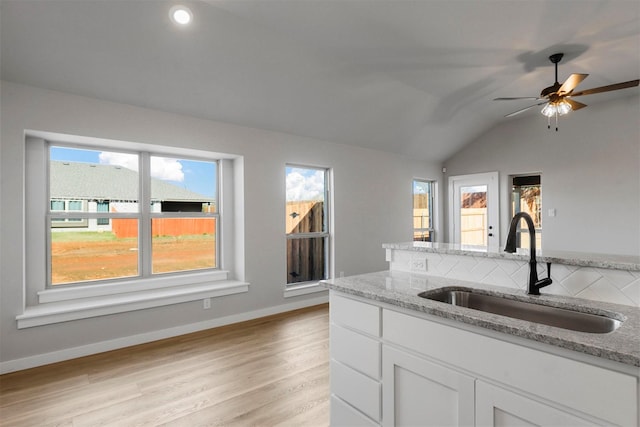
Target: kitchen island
[398,358]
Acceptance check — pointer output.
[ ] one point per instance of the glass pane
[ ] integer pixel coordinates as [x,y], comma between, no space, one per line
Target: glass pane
[305,200]
[179,185]
[305,259]
[79,175]
[57,205]
[103,207]
[473,215]
[75,205]
[421,236]
[422,210]
[79,256]
[180,244]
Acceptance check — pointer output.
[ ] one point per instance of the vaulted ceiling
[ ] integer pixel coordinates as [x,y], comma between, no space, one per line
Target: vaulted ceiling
[412,77]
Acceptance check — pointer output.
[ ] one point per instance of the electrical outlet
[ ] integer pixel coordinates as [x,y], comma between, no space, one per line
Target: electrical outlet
[419,264]
[206,303]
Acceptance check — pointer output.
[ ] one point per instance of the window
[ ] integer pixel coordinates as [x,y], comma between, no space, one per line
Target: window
[103,207]
[307,224]
[423,211]
[118,215]
[67,206]
[526,196]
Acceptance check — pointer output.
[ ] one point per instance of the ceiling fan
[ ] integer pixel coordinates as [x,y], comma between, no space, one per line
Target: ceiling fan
[557,99]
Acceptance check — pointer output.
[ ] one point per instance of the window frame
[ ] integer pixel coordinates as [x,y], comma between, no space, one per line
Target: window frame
[431,226]
[144,216]
[325,234]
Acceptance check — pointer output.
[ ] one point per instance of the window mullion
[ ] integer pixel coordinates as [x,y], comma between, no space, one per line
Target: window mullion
[144,224]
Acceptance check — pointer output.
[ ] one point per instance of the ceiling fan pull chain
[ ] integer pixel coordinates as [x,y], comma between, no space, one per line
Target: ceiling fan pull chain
[556,121]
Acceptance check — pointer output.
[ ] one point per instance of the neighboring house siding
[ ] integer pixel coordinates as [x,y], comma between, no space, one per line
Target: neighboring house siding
[117,186]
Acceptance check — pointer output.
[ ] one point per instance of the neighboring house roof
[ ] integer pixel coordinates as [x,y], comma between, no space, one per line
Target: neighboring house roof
[72,180]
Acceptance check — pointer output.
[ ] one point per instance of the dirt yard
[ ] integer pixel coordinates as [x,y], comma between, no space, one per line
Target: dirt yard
[94,259]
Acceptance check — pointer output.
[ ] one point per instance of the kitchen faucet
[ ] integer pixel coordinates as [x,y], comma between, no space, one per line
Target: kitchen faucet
[510,246]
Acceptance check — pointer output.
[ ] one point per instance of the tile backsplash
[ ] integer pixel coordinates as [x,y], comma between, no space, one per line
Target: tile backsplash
[599,284]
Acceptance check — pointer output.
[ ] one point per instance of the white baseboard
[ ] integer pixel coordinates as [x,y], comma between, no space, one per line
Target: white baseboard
[100,347]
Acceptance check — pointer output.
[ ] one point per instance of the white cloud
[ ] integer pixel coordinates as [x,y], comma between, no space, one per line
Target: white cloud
[166,169]
[302,185]
[129,161]
[161,167]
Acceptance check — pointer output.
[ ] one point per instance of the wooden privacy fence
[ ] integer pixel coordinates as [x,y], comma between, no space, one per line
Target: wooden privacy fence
[473,226]
[305,259]
[165,227]
[304,217]
[305,256]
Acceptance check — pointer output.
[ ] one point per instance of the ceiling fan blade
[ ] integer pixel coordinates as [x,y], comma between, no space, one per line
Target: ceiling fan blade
[522,110]
[571,83]
[575,105]
[517,97]
[608,88]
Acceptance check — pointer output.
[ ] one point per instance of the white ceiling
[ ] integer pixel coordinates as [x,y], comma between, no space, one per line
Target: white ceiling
[412,77]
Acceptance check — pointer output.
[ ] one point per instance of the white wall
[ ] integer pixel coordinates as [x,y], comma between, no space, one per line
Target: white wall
[372,205]
[590,174]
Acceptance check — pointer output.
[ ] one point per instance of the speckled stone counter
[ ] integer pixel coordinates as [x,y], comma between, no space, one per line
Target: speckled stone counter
[580,259]
[402,288]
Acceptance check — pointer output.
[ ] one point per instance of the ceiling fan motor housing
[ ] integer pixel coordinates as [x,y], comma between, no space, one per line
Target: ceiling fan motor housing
[549,90]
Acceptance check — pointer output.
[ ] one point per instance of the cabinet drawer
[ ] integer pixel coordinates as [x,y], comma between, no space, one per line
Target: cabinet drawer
[356,351]
[357,389]
[344,415]
[355,314]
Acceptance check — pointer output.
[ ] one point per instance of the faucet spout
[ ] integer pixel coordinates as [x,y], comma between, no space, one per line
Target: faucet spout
[534,284]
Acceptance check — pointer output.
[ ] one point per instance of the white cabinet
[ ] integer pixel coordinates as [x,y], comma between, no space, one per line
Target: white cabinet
[398,367]
[355,363]
[497,407]
[417,392]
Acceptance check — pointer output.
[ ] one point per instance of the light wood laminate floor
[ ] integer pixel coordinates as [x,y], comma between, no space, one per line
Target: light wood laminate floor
[272,371]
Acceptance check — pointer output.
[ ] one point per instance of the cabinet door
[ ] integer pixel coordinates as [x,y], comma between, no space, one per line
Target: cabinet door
[496,406]
[417,392]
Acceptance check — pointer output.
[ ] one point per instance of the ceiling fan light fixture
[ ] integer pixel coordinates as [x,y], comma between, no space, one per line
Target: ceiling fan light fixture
[563,107]
[558,107]
[549,110]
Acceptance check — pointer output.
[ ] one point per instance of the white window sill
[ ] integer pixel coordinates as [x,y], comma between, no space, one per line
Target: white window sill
[63,311]
[106,289]
[304,289]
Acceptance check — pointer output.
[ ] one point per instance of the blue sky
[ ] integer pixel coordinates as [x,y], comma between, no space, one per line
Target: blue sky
[421,187]
[197,176]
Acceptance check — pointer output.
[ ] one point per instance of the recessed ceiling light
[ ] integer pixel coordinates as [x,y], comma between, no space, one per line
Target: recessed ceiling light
[181,15]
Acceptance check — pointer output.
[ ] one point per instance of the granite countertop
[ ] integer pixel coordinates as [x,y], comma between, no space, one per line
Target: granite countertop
[582,259]
[402,289]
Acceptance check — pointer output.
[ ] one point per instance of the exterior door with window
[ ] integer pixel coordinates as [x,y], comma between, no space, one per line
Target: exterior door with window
[473,209]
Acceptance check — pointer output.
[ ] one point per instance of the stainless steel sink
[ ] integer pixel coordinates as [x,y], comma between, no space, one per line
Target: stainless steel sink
[552,316]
